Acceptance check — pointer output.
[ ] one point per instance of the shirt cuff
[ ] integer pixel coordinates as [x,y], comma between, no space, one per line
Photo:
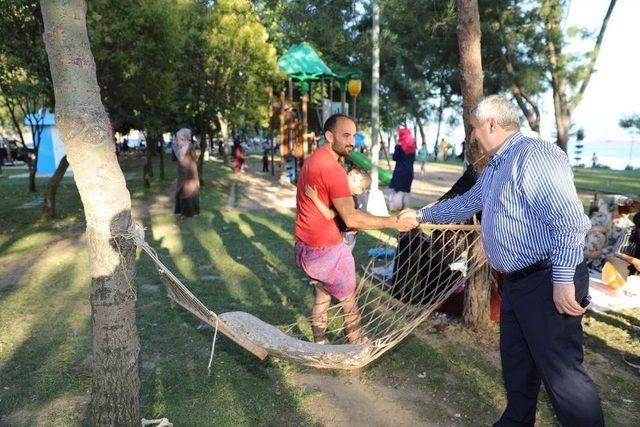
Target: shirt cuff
[563,274]
[424,215]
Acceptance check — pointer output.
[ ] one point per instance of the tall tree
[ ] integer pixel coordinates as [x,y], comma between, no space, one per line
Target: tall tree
[478,292]
[136,44]
[569,77]
[25,84]
[86,133]
[513,55]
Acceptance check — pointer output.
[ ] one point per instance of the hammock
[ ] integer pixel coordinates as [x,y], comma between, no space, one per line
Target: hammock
[407,277]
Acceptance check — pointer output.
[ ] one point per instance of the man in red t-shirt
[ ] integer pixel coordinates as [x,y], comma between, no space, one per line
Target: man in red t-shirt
[320,250]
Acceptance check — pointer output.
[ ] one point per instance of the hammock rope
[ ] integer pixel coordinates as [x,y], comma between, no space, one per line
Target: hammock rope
[406,279]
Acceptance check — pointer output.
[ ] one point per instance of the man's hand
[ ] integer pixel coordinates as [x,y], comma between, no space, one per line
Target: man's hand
[564,298]
[406,220]
[635,262]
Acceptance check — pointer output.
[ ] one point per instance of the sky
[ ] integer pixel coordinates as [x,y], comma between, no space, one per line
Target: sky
[614,88]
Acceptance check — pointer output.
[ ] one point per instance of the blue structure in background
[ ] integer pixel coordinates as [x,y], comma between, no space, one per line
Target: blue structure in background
[51,148]
[360,138]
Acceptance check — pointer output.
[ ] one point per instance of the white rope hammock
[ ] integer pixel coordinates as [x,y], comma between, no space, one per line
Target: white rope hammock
[407,277]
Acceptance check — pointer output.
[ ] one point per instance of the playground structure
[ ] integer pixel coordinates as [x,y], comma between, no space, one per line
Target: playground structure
[296,129]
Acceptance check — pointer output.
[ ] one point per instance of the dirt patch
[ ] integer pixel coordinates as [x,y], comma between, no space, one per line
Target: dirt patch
[27,417]
[253,191]
[351,400]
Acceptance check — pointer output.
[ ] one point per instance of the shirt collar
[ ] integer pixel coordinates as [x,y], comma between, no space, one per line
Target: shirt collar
[497,158]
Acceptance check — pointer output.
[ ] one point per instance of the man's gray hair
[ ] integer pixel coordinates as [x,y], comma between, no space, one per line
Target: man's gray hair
[499,108]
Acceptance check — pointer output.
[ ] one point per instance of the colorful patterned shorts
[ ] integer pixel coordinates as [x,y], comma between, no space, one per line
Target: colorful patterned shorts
[332,265]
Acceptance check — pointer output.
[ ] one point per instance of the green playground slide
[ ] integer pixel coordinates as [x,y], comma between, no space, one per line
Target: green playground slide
[362,161]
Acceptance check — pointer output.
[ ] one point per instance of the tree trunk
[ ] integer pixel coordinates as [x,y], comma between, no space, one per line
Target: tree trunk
[49,205]
[436,145]
[476,308]
[563,106]
[148,165]
[32,178]
[470,67]
[477,298]
[203,146]
[9,155]
[161,156]
[421,129]
[86,132]
[224,135]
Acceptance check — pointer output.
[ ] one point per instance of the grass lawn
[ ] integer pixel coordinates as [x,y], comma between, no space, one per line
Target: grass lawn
[608,181]
[237,259]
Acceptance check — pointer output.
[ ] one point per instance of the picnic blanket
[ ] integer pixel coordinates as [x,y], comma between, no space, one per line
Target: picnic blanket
[604,298]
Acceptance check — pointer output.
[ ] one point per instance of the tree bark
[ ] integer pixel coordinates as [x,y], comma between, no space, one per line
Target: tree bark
[476,308]
[203,146]
[148,165]
[49,205]
[477,298]
[436,144]
[16,124]
[420,129]
[224,135]
[87,136]
[471,85]
[161,156]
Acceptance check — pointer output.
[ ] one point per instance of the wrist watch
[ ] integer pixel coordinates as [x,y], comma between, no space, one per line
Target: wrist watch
[418,217]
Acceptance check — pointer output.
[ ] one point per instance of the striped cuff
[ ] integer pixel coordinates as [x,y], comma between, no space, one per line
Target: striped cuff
[424,215]
[563,275]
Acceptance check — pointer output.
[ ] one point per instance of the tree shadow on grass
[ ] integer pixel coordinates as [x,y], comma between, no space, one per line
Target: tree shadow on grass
[631,326]
[52,362]
[280,272]
[176,349]
[266,287]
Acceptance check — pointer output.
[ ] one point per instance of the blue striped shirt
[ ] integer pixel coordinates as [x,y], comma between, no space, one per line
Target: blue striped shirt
[530,209]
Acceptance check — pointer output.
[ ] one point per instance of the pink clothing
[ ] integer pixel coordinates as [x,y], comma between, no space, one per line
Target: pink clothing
[406,141]
[333,265]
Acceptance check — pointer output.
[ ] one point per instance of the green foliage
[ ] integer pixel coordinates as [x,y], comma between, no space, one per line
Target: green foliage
[241,64]
[166,64]
[631,123]
[135,44]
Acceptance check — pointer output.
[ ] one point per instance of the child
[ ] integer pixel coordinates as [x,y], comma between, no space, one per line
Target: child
[359,182]
[422,157]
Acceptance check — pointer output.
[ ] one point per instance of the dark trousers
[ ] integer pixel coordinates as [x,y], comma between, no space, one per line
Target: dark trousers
[539,344]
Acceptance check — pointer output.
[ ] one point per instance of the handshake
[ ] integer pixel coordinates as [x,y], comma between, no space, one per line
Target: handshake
[406,220]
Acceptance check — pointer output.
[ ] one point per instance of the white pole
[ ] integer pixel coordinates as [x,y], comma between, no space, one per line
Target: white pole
[375,94]
[375,203]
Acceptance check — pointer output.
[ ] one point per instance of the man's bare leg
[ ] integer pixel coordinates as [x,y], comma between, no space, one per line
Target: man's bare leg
[352,320]
[319,313]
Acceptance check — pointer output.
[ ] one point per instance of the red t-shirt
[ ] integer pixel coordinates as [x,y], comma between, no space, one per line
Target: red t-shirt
[323,172]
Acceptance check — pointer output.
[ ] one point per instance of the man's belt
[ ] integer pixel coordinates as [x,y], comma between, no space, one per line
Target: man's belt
[523,272]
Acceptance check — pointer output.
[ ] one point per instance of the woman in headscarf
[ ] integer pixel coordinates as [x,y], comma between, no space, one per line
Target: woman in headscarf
[404,156]
[188,187]
[238,156]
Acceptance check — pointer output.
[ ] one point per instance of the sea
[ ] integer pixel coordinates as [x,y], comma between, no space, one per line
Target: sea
[613,154]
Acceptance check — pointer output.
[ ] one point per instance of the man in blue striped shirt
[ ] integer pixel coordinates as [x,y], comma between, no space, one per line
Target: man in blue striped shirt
[533,229]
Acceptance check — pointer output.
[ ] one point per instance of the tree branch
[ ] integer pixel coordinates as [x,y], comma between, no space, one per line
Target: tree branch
[593,57]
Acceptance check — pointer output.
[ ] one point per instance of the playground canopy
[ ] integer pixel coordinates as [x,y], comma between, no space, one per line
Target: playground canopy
[301,62]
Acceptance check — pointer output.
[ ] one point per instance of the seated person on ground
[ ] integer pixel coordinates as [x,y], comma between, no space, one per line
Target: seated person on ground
[607,224]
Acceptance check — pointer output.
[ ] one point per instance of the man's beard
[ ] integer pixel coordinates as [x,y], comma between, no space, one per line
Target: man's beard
[345,151]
